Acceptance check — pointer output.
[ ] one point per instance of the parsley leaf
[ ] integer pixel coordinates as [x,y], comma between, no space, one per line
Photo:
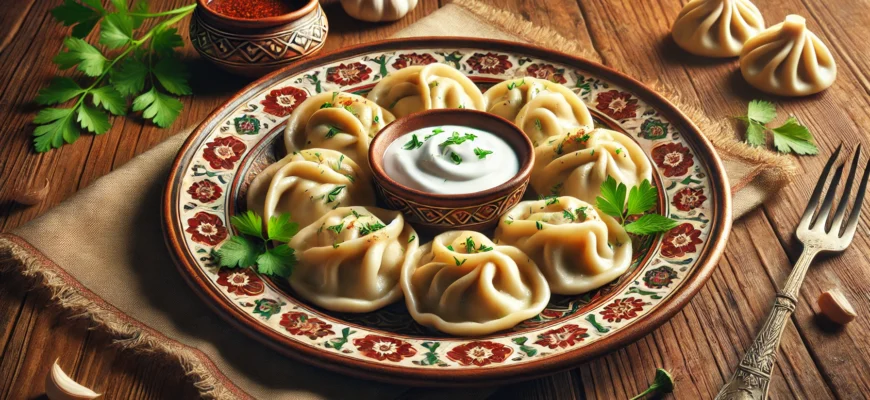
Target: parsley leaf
[116,30]
[109,99]
[129,78]
[172,75]
[242,251]
[277,261]
[280,229]
[792,136]
[81,53]
[612,198]
[650,224]
[239,251]
[642,198]
[755,133]
[249,223]
[761,111]
[59,127]
[59,91]
[367,228]
[568,215]
[73,13]
[481,153]
[93,119]
[158,107]
[336,228]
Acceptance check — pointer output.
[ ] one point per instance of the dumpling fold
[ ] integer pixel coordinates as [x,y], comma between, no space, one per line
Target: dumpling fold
[716,28]
[419,88]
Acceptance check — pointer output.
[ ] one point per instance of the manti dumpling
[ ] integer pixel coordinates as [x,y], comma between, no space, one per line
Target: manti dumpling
[309,184]
[716,28]
[576,164]
[350,259]
[539,107]
[418,88]
[576,248]
[463,284]
[337,121]
[788,60]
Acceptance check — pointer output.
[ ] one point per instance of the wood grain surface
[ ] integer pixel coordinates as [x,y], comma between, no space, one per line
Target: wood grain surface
[701,345]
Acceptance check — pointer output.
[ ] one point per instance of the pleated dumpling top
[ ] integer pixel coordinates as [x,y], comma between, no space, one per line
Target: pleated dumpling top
[716,28]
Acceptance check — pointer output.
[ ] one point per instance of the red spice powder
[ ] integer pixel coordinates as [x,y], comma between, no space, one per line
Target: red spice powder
[253,9]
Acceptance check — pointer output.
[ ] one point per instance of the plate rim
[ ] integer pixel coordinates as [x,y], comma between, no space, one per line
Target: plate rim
[707,261]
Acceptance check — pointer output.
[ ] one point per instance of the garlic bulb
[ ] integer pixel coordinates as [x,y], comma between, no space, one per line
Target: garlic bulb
[378,10]
[788,60]
[59,386]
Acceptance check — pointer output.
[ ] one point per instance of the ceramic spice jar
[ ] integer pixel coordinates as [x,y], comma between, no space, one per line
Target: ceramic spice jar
[253,37]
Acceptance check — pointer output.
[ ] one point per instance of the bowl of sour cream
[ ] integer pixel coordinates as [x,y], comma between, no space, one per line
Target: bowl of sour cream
[449,169]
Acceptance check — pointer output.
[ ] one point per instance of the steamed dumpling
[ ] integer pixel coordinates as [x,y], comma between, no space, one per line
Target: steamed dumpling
[463,284]
[350,259]
[716,28]
[576,248]
[338,121]
[539,107]
[419,88]
[788,60]
[309,184]
[576,164]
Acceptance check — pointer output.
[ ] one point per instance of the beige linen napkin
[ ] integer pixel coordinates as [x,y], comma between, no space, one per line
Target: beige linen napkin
[102,253]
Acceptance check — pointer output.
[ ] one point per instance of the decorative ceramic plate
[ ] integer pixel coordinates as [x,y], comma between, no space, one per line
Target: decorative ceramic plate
[215,165]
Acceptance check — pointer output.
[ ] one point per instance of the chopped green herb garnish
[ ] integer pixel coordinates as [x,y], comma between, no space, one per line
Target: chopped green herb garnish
[433,84]
[456,158]
[331,132]
[483,248]
[481,153]
[568,215]
[335,245]
[414,143]
[515,84]
[619,150]
[355,214]
[539,225]
[367,228]
[326,105]
[581,213]
[450,247]
[552,200]
[434,132]
[583,138]
[350,109]
[458,263]
[334,194]
[338,165]
[462,106]
[377,119]
[412,238]
[456,139]
[538,125]
[336,228]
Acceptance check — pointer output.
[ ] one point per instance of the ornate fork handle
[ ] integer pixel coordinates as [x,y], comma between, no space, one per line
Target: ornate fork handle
[752,377]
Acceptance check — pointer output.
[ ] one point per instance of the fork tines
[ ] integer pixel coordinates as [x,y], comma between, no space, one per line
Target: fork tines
[819,221]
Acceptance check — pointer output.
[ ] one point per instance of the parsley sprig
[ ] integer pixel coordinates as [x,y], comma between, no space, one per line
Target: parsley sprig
[788,137]
[250,248]
[147,61]
[640,199]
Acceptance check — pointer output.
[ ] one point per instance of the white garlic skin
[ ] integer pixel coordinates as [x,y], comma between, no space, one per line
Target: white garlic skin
[59,386]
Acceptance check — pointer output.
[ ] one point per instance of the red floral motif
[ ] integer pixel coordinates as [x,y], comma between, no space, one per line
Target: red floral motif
[674,158]
[616,104]
[479,353]
[223,152]
[206,228]
[349,74]
[680,241]
[242,282]
[546,71]
[622,309]
[205,191]
[404,60]
[489,63]
[384,348]
[281,102]
[688,199]
[565,336]
[552,314]
[298,323]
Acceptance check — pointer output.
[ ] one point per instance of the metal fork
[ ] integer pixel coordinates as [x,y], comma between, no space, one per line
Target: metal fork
[752,377]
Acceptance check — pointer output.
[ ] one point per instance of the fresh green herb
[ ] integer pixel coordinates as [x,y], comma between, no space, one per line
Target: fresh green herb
[367,228]
[458,263]
[456,158]
[539,225]
[568,215]
[516,84]
[461,106]
[791,136]
[559,148]
[581,213]
[663,383]
[415,143]
[249,248]
[641,199]
[376,119]
[334,194]
[412,238]
[433,84]
[583,138]
[336,228]
[450,247]
[481,153]
[538,125]
[335,245]
[338,165]
[434,132]
[619,150]
[456,139]
[147,59]
[355,214]
[350,109]
[326,105]
[332,132]
[551,200]
[350,178]
[483,248]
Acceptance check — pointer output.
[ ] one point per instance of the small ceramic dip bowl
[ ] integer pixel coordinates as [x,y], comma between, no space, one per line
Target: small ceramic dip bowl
[469,209]
[254,46]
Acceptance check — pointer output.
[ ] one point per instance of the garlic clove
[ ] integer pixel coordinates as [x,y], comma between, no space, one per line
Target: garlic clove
[836,307]
[32,195]
[59,386]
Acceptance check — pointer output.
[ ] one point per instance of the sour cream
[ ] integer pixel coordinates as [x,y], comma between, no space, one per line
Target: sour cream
[450,159]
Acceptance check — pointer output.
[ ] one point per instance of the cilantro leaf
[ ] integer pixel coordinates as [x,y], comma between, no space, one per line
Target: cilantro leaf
[73,13]
[755,133]
[641,198]
[93,119]
[761,111]
[792,136]
[109,99]
[129,78]
[116,30]
[650,224]
[158,107]
[612,198]
[81,53]
[59,126]
[249,223]
[59,91]
[280,228]
[277,261]
[238,252]
[172,75]
[165,40]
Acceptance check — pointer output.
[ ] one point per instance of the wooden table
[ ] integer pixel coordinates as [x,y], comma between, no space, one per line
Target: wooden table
[701,345]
